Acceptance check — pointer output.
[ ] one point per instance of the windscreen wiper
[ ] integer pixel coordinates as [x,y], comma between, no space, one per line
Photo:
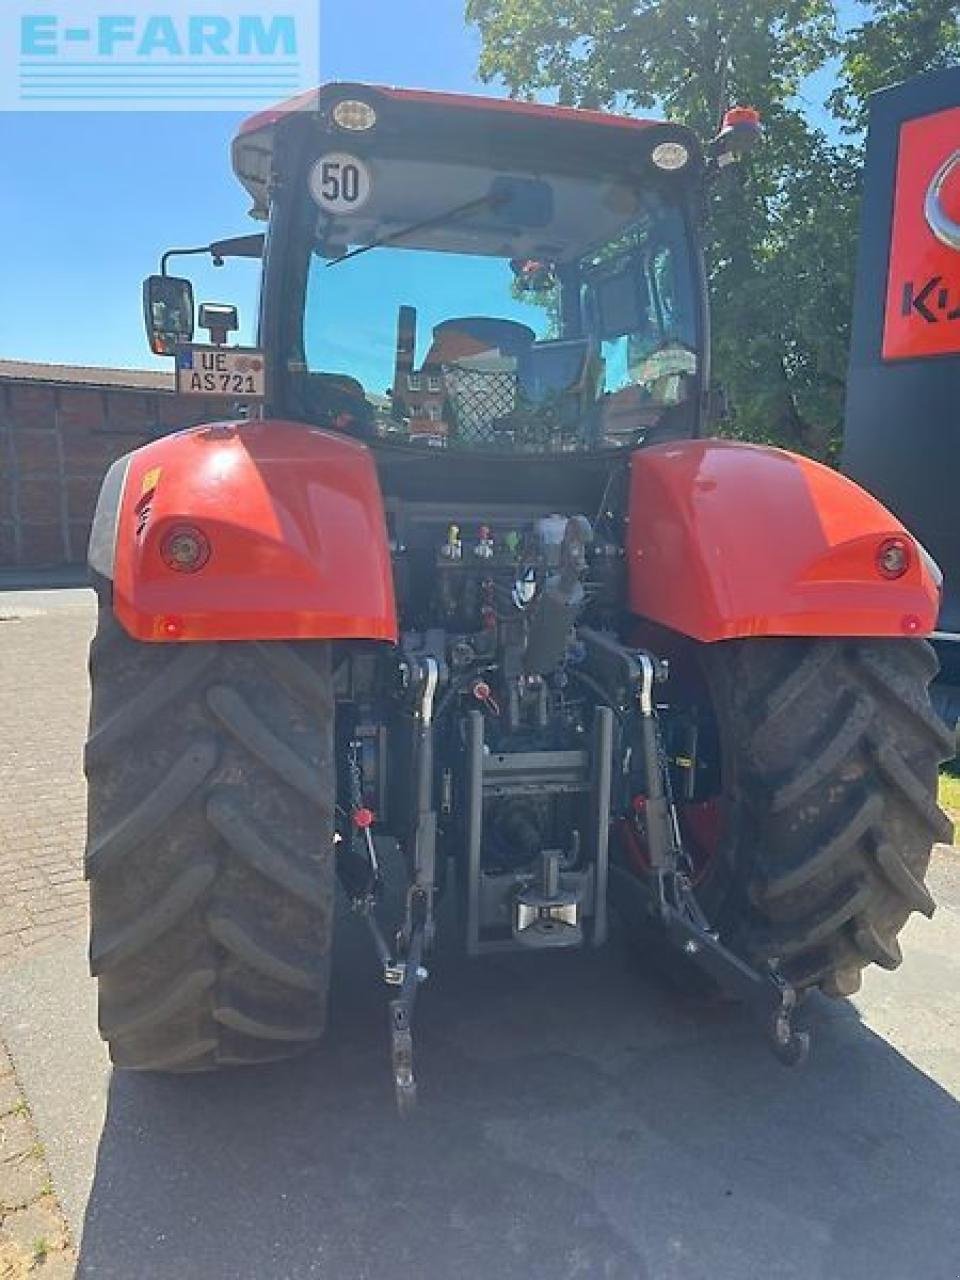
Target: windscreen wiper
[492,198]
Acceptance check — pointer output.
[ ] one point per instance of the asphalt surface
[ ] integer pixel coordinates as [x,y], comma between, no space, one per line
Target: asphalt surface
[577,1119]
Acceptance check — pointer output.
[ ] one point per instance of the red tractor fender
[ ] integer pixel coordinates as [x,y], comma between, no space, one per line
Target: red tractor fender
[728,539]
[292,538]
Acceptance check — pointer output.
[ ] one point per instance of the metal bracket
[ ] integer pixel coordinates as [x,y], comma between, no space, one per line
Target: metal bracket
[404,970]
[358,867]
[401,1056]
[431,675]
[401,1023]
[766,992]
[404,975]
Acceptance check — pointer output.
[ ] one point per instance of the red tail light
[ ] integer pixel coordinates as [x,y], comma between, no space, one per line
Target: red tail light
[893,557]
[185,548]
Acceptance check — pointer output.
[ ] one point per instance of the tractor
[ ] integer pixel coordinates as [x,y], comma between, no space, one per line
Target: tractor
[463,600]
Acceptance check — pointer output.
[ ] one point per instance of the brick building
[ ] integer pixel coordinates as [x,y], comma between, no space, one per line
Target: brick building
[60,428]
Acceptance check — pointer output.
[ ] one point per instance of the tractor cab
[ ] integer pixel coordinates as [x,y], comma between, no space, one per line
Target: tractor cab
[460,274]
[512,282]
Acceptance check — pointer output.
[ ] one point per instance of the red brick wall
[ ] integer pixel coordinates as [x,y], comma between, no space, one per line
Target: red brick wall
[56,442]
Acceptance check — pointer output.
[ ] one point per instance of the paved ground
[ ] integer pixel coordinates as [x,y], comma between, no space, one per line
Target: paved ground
[33,1234]
[43,706]
[43,710]
[576,1119]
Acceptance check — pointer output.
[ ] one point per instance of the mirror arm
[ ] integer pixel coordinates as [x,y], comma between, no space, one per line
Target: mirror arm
[186,253]
[237,247]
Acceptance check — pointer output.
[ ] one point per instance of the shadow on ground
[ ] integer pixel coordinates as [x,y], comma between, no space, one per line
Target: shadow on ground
[575,1120]
[50,579]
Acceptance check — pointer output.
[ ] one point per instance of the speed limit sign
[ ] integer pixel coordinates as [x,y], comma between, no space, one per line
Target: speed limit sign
[340,183]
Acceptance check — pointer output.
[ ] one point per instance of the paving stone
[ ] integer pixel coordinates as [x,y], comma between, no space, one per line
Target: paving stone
[22,1180]
[9,1094]
[29,885]
[16,1138]
[48,935]
[38,1222]
[78,893]
[13,920]
[58,914]
[15,1263]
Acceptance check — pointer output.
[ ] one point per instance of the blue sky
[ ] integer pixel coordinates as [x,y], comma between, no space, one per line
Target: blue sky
[91,200]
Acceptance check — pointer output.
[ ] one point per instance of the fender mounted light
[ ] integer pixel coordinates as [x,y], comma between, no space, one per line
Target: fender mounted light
[893,557]
[185,548]
[353,115]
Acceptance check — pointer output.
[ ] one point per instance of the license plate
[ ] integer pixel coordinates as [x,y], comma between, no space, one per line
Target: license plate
[237,372]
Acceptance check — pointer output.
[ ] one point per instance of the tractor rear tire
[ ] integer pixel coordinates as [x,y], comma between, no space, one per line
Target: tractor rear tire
[829,754]
[210,848]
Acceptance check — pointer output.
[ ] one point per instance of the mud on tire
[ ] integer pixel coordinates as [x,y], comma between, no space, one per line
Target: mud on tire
[210,848]
[831,750]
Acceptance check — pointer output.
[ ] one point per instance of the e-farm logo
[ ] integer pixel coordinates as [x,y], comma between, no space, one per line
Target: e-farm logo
[147,55]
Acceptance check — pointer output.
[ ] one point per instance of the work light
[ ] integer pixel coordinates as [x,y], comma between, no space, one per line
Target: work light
[670,155]
[354,115]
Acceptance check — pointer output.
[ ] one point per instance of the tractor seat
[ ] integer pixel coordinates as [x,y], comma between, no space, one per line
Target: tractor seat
[339,401]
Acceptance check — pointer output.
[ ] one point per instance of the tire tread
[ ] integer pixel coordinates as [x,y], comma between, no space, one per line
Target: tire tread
[836,791]
[210,848]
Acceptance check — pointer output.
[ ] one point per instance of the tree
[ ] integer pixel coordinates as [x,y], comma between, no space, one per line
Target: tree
[685,56]
[900,39]
[780,247]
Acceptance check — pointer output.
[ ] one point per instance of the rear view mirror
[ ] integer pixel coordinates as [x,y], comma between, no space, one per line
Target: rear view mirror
[168,313]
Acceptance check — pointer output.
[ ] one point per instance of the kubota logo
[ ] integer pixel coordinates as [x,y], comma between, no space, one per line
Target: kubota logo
[945,228]
[932,300]
[922,315]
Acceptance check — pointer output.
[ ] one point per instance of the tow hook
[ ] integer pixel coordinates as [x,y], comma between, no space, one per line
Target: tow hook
[410,974]
[406,975]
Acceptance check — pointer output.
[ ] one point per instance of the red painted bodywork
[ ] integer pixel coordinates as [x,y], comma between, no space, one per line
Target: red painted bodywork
[469,101]
[294,516]
[730,540]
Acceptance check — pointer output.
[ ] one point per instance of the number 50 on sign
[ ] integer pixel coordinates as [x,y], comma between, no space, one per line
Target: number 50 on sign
[340,183]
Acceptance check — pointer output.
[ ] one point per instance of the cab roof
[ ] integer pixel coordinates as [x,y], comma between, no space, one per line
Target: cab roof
[253,145]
